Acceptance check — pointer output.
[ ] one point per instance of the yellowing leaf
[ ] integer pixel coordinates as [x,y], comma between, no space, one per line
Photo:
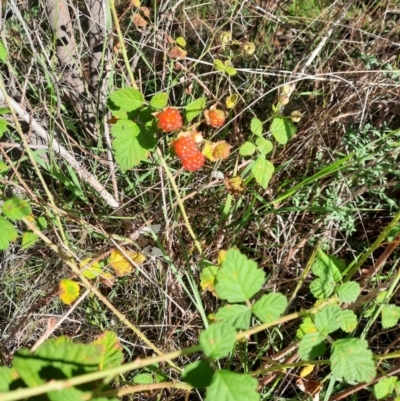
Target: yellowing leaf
[208,151]
[207,278]
[231,101]
[120,262]
[181,41]
[234,185]
[225,38]
[69,291]
[306,370]
[221,256]
[249,48]
[90,270]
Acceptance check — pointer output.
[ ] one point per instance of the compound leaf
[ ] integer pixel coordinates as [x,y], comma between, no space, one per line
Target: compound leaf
[256,126]
[237,315]
[262,171]
[159,100]
[349,321]
[231,386]
[247,149]
[127,99]
[348,292]
[282,129]
[239,278]
[198,374]
[307,326]
[270,307]
[328,319]
[217,340]
[352,360]
[311,346]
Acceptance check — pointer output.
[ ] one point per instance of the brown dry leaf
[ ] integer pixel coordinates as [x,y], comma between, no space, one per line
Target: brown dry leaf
[107,279]
[310,387]
[139,21]
[177,53]
[121,264]
[234,185]
[145,11]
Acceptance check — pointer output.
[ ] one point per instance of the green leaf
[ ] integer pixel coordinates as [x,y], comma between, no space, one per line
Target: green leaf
[231,71]
[195,108]
[349,321]
[352,360]
[262,171]
[67,394]
[306,327]
[143,378]
[282,129]
[180,41]
[218,340]
[327,269]
[219,65]
[3,127]
[385,387]
[42,222]
[311,346]
[198,374]
[348,292]
[56,359]
[29,239]
[7,376]
[159,100]
[207,278]
[16,208]
[8,233]
[247,149]
[127,144]
[127,99]
[256,126]
[111,350]
[328,319]
[264,146]
[236,315]
[390,316]
[270,307]
[3,167]
[3,52]
[321,289]
[239,278]
[328,266]
[231,386]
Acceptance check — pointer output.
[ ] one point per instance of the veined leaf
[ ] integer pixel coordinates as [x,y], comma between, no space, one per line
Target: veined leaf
[127,99]
[352,360]
[270,307]
[69,291]
[262,171]
[239,277]
[217,340]
[236,315]
[282,129]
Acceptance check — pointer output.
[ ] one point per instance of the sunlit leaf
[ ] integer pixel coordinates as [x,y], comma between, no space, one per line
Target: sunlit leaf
[352,360]
[16,208]
[121,262]
[69,291]
[217,340]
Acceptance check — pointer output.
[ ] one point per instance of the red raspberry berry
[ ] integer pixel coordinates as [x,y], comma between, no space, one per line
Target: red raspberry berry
[221,150]
[194,163]
[215,117]
[185,147]
[169,119]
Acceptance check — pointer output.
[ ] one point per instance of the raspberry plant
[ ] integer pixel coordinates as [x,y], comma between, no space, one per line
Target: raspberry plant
[249,310]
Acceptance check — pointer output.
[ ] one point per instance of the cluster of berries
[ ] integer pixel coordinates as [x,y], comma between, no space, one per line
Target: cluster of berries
[185,146]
